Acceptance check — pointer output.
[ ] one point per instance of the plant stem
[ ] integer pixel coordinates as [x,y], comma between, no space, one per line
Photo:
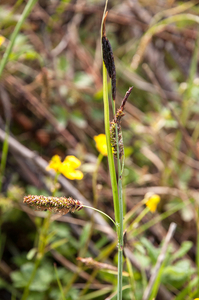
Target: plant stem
[59,283]
[121,215]
[4,155]
[27,288]
[109,148]
[101,212]
[138,219]
[130,214]
[41,251]
[107,131]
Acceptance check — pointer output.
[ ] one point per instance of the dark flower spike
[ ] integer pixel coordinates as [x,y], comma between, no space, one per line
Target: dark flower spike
[60,205]
[117,120]
[108,58]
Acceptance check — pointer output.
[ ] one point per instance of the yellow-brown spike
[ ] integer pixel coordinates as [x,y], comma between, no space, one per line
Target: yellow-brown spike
[61,205]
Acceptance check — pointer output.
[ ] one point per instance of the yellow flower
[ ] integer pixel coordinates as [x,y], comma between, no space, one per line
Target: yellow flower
[152,201]
[2,39]
[101,143]
[55,163]
[68,168]
[196,299]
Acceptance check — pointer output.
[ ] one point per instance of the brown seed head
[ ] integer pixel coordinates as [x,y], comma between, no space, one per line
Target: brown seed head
[61,205]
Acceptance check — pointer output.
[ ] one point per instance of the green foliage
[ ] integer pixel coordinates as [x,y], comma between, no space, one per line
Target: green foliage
[44,276]
[152,252]
[177,274]
[185,247]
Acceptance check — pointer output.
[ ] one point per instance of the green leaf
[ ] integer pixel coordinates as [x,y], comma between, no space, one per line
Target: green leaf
[143,260]
[42,279]
[58,243]
[151,250]
[31,253]
[18,279]
[62,230]
[185,247]
[178,274]
[50,236]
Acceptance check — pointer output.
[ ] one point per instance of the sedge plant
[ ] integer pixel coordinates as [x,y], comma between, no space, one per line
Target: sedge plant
[114,143]
[110,145]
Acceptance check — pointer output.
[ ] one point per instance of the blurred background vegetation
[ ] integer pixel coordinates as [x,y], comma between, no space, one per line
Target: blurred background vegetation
[51,101]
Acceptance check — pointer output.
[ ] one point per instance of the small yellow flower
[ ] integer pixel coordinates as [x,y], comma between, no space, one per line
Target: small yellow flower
[55,163]
[73,161]
[68,168]
[196,299]
[101,143]
[2,40]
[152,201]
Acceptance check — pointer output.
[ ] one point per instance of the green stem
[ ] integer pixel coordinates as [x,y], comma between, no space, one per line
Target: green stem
[120,228]
[101,212]
[120,244]
[41,251]
[27,289]
[121,217]
[109,148]
[138,219]
[108,141]
[4,156]
[59,283]
[130,214]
